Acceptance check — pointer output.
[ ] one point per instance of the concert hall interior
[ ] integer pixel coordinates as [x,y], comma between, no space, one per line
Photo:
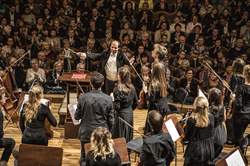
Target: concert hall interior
[124,82]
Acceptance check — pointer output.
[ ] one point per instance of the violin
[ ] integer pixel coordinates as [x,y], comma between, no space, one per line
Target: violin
[9,106]
[177,119]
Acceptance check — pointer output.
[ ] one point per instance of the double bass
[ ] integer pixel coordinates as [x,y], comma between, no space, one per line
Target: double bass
[11,97]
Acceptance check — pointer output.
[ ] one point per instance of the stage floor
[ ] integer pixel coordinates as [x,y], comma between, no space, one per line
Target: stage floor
[71,147]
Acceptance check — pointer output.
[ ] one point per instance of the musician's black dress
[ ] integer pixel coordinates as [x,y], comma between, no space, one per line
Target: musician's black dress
[220,133]
[241,116]
[156,102]
[34,131]
[200,148]
[124,104]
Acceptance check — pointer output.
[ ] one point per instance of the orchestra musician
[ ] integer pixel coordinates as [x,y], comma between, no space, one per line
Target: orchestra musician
[157,92]
[236,80]
[199,135]
[241,114]
[218,110]
[33,116]
[95,109]
[125,101]
[7,143]
[102,152]
[158,147]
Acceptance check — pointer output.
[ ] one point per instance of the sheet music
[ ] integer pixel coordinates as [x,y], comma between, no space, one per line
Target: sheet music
[72,110]
[26,99]
[172,130]
[201,94]
[235,159]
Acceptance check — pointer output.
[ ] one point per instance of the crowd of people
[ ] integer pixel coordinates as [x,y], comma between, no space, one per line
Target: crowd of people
[141,54]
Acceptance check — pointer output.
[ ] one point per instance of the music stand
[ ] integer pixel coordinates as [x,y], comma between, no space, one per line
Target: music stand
[233,156]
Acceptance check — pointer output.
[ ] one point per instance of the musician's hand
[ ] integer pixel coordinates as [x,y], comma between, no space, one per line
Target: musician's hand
[132,60]
[145,88]
[232,96]
[112,96]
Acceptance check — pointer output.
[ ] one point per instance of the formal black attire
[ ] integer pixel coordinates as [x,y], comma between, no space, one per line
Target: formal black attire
[235,82]
[103,57]
[7,143]
[200,147]
[94,109]
[157,150]
[156,102]
[109,161]
[124,104]
[192,89]
[34,132]
[241,115]
[220,133]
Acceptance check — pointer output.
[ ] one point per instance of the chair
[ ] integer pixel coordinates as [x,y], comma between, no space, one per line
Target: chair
[120,147]
[30,155]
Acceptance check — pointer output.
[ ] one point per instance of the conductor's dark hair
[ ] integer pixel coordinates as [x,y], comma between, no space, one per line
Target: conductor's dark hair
[96,80]
[155,121]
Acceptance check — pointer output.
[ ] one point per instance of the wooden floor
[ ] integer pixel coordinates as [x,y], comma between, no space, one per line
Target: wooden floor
[71,147]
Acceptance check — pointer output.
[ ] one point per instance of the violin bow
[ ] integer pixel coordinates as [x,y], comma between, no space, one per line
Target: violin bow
[134,69]
[125,122]
[222,81]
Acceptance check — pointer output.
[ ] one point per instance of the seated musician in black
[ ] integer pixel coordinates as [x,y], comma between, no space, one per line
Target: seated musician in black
[158,147]
[7,143]
[32,120]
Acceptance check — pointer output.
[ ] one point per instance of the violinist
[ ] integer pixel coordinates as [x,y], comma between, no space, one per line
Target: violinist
[142,96]
[241,114]
[199,135]
[217,108]
[32,120]
[125,101]
[18,73]
[158,147]
[236,81]
[7,143]
[157,92]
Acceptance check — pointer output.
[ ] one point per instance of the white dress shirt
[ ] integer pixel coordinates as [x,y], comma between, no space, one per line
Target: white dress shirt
[111,68]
